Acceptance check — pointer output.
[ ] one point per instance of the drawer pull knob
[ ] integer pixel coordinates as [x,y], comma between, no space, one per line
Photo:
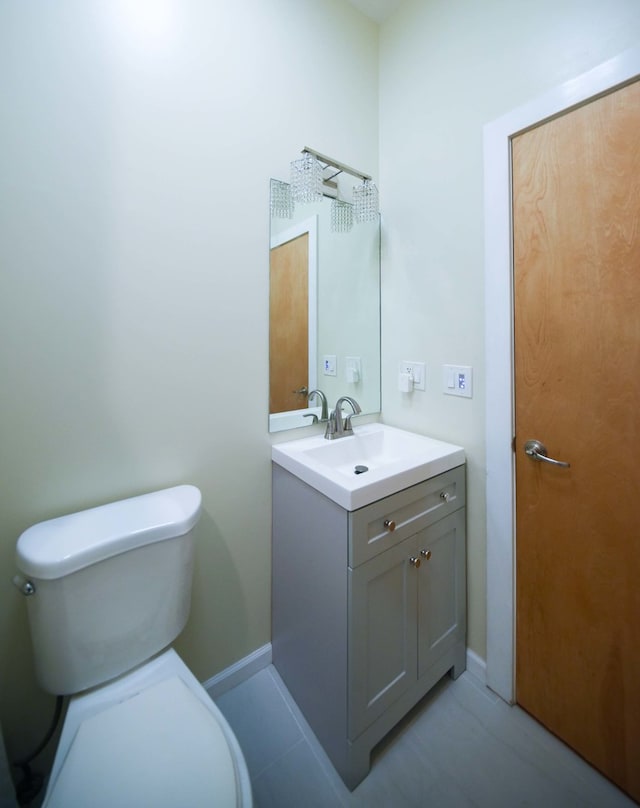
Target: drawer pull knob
[415,562]
[390,524]
[426,554]
[445,495]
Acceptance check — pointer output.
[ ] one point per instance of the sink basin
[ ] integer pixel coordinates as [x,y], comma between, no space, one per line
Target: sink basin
[377,460]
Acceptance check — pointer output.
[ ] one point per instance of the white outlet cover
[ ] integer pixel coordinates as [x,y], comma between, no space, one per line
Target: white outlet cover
[417,371]
[352,369]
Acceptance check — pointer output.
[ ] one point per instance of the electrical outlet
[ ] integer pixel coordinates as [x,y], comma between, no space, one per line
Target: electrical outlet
[457,380]
[352,369]
[417,372]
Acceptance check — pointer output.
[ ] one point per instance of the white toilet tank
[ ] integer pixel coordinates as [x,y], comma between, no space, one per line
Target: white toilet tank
[112,586]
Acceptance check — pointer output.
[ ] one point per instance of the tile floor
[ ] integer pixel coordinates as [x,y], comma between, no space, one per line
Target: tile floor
[460,746]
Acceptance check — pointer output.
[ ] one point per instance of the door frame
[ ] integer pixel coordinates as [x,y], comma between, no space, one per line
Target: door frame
[499,429]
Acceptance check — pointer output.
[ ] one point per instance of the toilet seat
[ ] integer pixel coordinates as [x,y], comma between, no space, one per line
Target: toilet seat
[152,739]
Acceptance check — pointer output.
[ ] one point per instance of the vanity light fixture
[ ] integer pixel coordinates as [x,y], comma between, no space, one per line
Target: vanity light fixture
[365,198]
[306,178]
[281,200]
[341,216]
[313,176]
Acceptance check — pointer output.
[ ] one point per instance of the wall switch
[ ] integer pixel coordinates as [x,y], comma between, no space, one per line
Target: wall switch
[329,365]
[417,372]
[457,380]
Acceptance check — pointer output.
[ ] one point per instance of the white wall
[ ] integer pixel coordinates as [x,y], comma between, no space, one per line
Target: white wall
[136,147]
[447,68]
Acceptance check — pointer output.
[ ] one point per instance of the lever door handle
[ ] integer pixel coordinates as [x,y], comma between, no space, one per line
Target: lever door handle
[538,451]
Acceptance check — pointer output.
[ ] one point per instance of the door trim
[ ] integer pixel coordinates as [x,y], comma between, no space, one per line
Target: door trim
[499,429]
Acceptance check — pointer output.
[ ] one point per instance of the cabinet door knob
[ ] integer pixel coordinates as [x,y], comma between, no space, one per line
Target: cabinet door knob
[390,524]
[426,554]
[415,562]
[445,495]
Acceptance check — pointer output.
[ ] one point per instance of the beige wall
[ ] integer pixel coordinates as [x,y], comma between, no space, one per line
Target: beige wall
[135,156]
[446,69]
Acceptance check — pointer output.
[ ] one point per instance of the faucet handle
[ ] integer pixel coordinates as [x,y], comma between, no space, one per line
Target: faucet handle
[347,428]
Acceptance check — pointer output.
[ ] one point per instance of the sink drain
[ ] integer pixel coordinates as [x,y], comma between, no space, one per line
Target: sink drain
[360,469]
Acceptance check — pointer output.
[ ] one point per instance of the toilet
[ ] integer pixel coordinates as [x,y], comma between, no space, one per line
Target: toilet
[109,589]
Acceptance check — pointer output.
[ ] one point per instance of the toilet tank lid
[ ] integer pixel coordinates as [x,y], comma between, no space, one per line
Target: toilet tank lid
[66,544]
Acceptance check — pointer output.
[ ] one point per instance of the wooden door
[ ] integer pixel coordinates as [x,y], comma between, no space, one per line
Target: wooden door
[289,325]
[576,197]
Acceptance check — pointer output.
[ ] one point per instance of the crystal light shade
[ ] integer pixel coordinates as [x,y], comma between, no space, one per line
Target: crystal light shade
[281,200]
[365,200]
[306,179]
[341,216]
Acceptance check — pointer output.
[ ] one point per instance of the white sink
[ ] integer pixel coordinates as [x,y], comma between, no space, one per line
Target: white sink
[394,459]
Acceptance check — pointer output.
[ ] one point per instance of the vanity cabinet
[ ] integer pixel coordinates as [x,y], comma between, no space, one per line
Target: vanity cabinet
[369,607]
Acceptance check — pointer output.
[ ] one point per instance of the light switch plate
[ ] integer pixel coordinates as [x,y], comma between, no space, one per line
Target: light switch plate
[457,380]
[329,365]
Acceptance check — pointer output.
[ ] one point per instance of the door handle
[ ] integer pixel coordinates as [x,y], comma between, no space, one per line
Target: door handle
[302,391]
[538,451]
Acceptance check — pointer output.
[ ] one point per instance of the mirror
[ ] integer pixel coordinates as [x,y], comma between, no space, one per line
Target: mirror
[324,314]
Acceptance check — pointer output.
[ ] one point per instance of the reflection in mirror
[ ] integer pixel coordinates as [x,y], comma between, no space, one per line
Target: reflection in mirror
[324,313]
[292,307]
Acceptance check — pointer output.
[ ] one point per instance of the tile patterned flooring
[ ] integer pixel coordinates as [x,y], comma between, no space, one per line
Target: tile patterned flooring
[460,746]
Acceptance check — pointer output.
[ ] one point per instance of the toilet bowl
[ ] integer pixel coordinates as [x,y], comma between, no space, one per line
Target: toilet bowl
[151,737]
[108,590]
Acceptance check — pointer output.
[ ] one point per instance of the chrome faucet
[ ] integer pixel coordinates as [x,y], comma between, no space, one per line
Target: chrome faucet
[324,415]
[336,426]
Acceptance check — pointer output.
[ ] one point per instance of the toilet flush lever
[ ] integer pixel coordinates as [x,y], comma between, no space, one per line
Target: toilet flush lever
[26,587]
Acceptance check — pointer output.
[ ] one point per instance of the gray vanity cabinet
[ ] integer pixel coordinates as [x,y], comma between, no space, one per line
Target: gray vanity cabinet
[406,605]
[368,607]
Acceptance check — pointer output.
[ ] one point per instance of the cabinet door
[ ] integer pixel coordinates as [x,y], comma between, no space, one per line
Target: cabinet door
[441,594]
[382,633]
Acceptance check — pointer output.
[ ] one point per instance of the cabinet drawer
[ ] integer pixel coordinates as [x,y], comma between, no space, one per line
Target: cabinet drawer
[383,524]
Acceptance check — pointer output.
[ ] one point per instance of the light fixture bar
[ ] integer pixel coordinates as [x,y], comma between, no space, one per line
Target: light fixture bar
[335,164]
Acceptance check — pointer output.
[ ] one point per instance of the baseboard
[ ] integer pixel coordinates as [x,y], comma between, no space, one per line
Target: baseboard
[243,669]
[238,672]
[476,666]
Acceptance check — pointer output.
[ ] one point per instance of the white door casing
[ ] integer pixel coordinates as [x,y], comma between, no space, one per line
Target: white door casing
[500,485]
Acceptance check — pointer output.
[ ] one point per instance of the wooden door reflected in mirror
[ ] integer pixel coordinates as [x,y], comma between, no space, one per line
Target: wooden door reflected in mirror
[289,325]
